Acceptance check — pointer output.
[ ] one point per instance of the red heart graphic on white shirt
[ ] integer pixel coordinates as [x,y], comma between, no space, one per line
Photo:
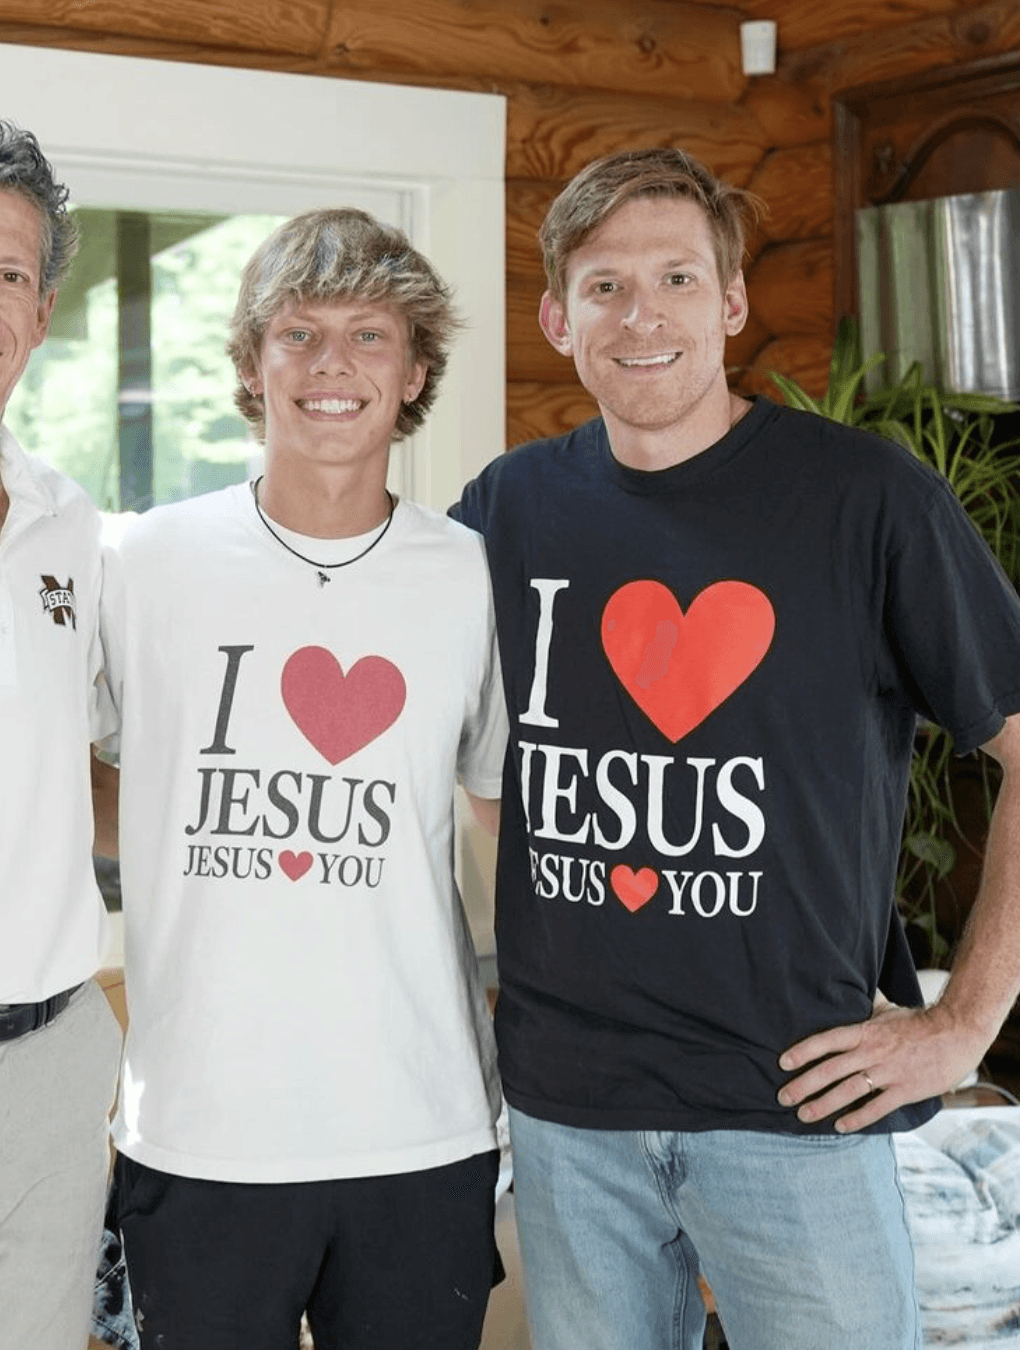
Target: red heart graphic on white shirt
[341,714]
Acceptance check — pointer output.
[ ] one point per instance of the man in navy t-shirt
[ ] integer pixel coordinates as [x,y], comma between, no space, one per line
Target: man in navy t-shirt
[719,623]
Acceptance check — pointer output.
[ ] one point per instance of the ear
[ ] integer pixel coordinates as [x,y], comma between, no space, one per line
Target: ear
[252,381]
[552,317]
[43,314]
[735,305]
[415,380]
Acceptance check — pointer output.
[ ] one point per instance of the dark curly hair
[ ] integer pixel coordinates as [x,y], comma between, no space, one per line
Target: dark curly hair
[26,170]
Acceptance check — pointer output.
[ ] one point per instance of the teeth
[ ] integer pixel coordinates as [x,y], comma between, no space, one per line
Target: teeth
[663,360]
[331,405]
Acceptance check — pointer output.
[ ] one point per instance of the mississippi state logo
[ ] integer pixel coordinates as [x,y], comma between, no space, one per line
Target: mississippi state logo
[59,600]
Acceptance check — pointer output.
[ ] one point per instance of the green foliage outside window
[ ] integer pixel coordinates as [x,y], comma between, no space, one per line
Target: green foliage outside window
[65,408]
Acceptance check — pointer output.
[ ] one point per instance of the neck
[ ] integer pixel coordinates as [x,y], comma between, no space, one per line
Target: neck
[334,503]
[653,449]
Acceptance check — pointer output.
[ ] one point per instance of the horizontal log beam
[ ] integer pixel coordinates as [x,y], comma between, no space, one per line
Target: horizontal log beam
[790,109]
[976,33]
[804,357]
[742,349]
[796,186]
[552,133]
[655,46]
[527,201]
[529,357]
[809,24]
[534,410]
[298,27]
[790,288]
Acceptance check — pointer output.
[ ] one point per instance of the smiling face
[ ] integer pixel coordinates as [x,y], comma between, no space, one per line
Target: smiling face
[645,319]
[333,376]
[24,318]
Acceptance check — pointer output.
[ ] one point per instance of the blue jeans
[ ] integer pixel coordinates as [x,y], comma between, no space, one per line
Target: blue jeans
[803,1239]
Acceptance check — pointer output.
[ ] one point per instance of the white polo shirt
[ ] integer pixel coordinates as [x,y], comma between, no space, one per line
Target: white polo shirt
[52,918]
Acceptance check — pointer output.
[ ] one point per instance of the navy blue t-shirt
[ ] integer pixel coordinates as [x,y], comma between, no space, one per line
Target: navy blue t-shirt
[713,675]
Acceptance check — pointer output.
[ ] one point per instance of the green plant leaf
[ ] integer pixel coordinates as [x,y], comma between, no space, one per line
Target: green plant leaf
[938,853]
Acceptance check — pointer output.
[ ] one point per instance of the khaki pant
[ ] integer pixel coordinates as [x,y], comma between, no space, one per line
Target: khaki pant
[56,1089]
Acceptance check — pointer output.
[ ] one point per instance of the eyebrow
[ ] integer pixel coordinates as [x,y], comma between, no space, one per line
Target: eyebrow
[595,273]
[310,314]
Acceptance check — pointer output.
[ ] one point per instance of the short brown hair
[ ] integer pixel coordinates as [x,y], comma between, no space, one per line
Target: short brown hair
[605,185]
[342,254]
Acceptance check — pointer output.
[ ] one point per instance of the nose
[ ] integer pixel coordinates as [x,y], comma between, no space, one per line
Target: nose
[643,314]
[332,357]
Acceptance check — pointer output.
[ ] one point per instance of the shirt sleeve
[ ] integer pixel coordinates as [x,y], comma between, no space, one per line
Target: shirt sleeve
[103,719]
[953,618]
[112,635]
[484,736]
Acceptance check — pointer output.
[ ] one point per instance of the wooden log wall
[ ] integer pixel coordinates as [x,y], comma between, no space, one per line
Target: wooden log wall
[584,78]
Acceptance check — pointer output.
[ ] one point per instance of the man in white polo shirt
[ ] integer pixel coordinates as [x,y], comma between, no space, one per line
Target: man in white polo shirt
[59,1041]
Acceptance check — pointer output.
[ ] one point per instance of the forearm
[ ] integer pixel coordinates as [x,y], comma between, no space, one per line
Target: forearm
[486,812]
[985,978]
[105,792]
[903,1055]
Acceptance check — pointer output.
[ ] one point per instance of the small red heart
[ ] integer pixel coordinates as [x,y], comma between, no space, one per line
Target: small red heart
[294,864]
[634,889]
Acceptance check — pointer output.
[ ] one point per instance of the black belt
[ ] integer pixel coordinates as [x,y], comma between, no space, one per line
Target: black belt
[17,1018]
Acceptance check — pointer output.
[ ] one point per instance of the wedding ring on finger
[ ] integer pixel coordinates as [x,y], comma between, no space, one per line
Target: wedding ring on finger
[867,1079]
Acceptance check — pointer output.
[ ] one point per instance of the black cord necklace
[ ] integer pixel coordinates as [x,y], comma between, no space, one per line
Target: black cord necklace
[322,570]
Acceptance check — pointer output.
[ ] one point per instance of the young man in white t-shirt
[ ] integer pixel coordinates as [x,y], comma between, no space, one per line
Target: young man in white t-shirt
[305,667]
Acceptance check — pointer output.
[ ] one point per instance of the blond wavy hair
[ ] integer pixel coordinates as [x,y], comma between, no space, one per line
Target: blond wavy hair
[335,255]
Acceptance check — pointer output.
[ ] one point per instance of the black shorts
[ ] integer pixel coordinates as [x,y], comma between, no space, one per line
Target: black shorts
[401,1262]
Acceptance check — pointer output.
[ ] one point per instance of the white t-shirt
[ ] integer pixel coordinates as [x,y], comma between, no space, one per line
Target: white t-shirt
[303,993]
[52,919]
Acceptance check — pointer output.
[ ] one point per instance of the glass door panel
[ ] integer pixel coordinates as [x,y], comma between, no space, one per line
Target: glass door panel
[132,393]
